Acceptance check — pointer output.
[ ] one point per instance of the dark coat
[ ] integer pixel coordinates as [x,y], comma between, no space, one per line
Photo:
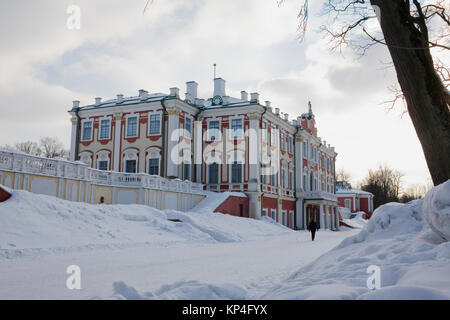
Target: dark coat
[312,226]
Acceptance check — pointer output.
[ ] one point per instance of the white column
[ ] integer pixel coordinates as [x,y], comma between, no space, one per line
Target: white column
[299,223]
[337,217]
[73,139]
[333,221]
[198,152]
[254,141]
[328,215]
[117,139]
[172,142]
[322,217]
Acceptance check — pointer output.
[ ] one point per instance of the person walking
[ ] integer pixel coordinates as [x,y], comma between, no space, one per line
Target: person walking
[312,227]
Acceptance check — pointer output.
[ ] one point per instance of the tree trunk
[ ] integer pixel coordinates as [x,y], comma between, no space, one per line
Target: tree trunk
[426,97]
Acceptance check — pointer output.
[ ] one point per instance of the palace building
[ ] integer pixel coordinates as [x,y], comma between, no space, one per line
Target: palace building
[225,143]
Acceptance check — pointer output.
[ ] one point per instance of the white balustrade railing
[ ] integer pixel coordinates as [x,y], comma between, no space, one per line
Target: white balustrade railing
[19,162]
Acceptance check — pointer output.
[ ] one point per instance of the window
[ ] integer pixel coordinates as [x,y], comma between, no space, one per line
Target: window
[305,149]
[188,127]
[132,125]
[273,214]
[264,131]
[265,170]
[283,141]
[187,171]
[214,130]
[130,166]
[153,166]
[273,136]
[213,171]
[283,215]
[236,172]
[291,144]
[87,130]
[273,180]
[348,204]
[103,165]
[154,124]
[236,129]
[264,212]
[105,126]
[283,178]
[291,180]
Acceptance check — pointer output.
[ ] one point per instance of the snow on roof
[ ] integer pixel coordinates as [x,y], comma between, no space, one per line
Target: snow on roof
[355,191]
[127,101]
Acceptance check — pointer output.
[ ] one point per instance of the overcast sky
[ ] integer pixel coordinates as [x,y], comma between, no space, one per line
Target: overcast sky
[44,66]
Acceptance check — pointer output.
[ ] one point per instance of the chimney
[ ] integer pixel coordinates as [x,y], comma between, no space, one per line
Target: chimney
[200,102]
[268,105]
[254,97]
[98,100]
[191,91]
[294,122]
[244,95]
[119,98]
[76,103]
[175,92]
[286,116]
[277,111]
[143,94]
[299,120]
[219,87]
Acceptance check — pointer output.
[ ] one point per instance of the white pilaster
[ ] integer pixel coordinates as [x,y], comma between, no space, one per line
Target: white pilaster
[73,139]
[117,139]
[254,142]
[172,142]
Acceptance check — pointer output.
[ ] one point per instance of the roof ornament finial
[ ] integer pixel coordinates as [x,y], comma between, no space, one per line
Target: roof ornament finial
[309,107]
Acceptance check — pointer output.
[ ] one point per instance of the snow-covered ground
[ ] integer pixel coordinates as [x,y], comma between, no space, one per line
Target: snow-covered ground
[135,252]
[120,246]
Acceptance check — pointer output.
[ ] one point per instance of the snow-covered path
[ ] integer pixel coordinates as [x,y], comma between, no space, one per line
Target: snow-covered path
[253,265]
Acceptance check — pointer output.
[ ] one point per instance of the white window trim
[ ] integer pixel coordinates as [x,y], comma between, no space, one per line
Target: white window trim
[160,123]
[265,131]
[218,173]
[130,154]
[100,127]
[265,212]
[208,136]
[230,135]
[185,131]
[82,129]
[131,115]
[273,214]
[103,155]
[231,173]
[153,153]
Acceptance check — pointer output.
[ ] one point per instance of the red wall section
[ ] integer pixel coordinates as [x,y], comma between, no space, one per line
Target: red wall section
[341,202]
[235,206]
[4,195]
[364,204]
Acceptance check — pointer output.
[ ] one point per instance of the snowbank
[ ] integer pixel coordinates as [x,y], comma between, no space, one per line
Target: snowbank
[213,200]
[36,224]
[436,209]
[182,290]
[357,222]
[413,260]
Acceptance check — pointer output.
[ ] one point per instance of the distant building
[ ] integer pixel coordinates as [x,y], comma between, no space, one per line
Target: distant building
[223,142]
[354,200]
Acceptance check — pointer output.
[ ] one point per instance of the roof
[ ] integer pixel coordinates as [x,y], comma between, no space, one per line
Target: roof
[353,191]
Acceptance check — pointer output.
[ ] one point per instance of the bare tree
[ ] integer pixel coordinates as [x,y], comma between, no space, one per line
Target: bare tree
[385,183]
[29,147]
[52,148]
[343,176]
[404,29]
